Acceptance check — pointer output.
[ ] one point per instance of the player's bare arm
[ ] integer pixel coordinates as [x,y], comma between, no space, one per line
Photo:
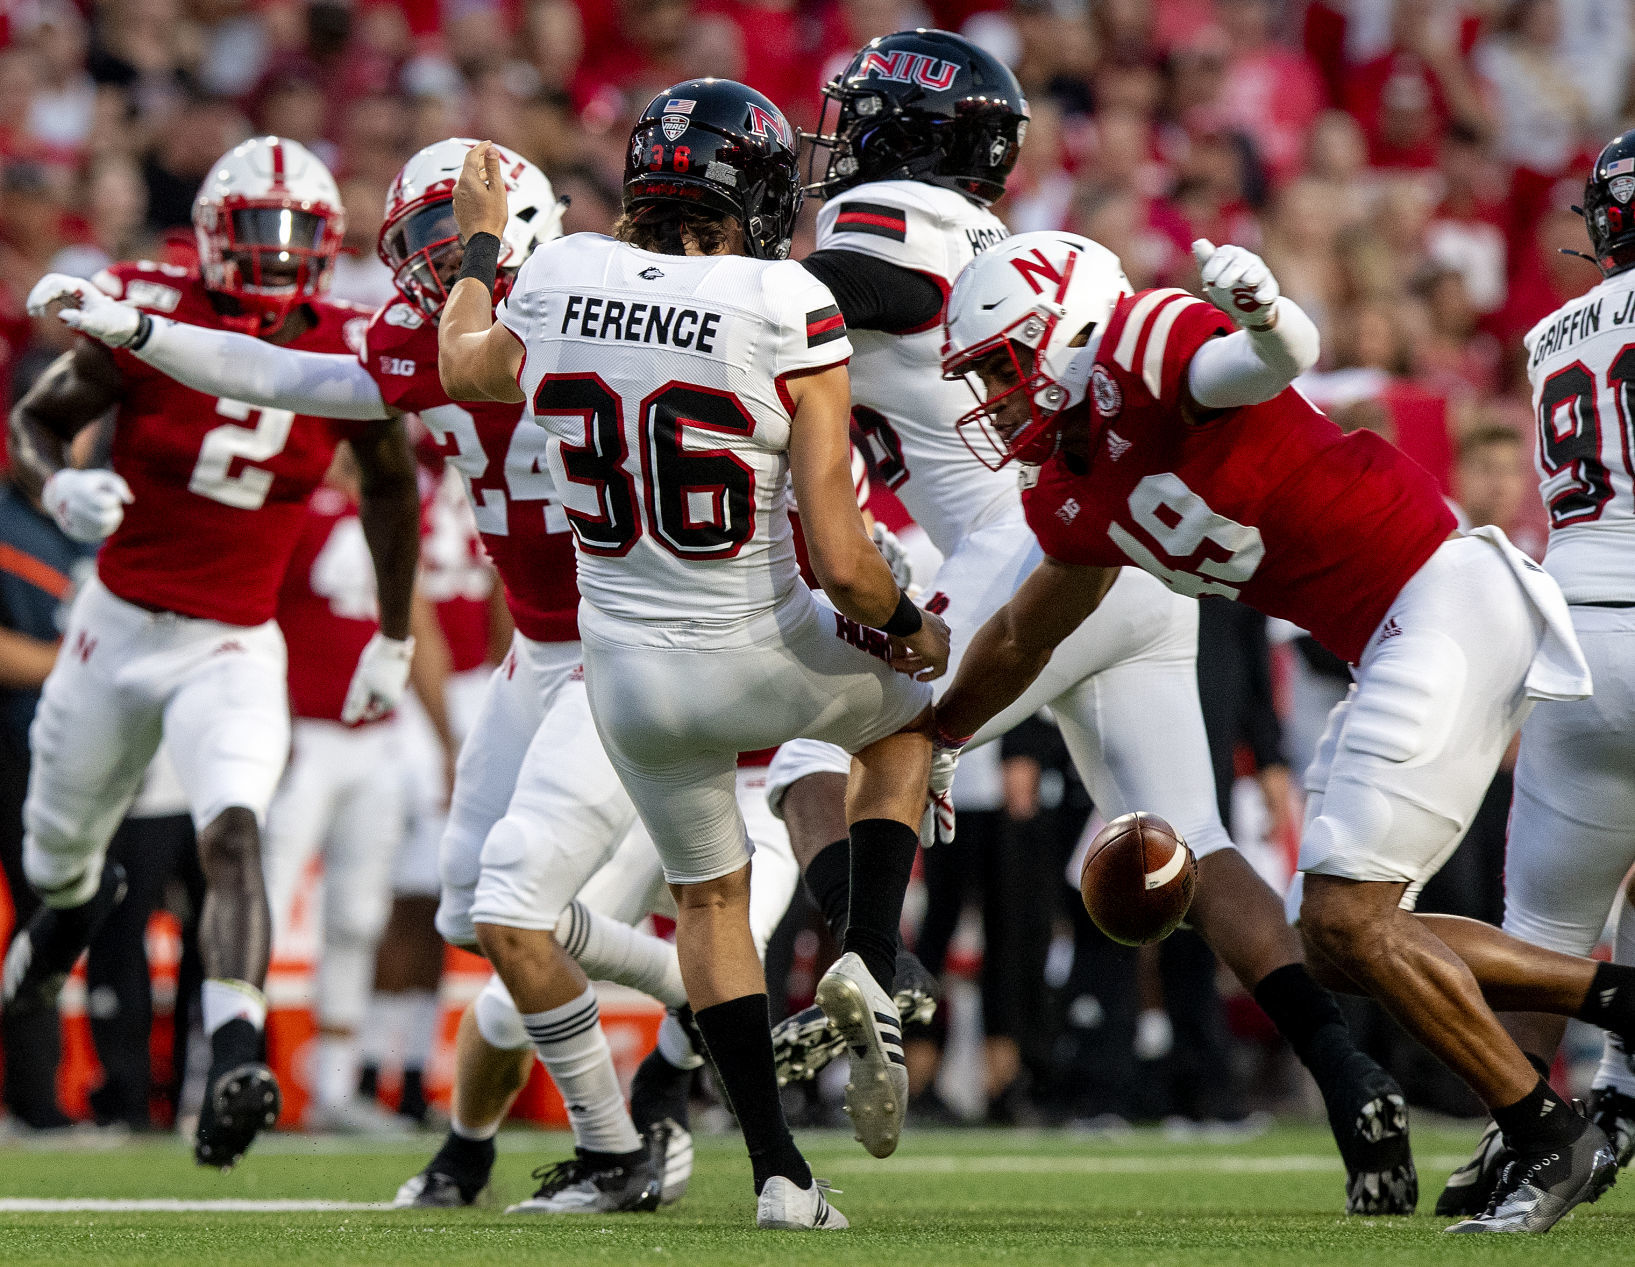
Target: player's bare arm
[217,362]
[389,507]
[1016,643]
[855,575]
[78,388]
[478,358]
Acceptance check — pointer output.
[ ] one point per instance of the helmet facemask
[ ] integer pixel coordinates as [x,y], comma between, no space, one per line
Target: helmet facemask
[424,252]
[268,256]
[1018,413]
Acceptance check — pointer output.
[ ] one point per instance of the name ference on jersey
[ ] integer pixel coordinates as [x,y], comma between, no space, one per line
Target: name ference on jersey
[667,326]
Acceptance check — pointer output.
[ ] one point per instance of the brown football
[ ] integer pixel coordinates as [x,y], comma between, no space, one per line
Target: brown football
[1138,879]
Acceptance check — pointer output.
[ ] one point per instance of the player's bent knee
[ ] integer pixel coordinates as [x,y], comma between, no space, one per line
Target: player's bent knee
[60,871]
[725,892]
[453,921]
[231,842]
[498,1020]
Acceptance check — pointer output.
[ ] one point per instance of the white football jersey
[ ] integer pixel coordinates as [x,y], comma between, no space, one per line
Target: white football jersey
[900,401]
[660,381]
[1581,363]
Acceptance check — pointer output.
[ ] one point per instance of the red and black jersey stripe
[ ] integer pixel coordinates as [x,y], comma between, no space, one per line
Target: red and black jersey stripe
[872,217]
[824,325]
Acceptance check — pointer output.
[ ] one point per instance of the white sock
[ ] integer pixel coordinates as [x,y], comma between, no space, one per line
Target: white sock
[473,1132]
[1615,1071]
[225,1000]
[420,1017]
[676,1044]
[610,951]
[574,1049]
[379,1038]
[334,1069]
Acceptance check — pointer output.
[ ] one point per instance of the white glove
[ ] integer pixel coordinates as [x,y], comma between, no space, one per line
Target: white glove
[379,680]
[93,313]
[896,555]
[87,505]
[1238,283]
[938,825]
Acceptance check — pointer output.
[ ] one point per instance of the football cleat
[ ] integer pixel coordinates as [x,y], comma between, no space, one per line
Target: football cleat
[671,1145]
[454,1177]
[577,1186]
[877,1091]
[240,1102]
[783,1205]
[1369,1118]
[43,954]
[804,1044]
[358,1116]
[1470,1188]
[1533,1193]
[1614,1113]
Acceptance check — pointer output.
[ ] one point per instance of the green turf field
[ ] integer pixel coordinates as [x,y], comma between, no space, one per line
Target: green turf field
[946,1198]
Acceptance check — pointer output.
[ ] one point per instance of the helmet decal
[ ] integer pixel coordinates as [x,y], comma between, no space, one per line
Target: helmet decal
[1032,270]
[769,123]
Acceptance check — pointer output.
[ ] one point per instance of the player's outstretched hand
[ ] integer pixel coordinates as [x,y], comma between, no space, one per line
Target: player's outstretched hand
[379,680]
[479,195]
[87,504]
[1239,283]
[85,308]
[923,655]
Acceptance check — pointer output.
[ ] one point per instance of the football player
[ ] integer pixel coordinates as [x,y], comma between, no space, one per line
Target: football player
[927,128]
[1569,846]
[684,371]
[175,637]
[1159,431]
[536,808]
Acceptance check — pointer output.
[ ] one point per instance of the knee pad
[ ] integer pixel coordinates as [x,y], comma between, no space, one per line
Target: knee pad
[59,870]
[453,920]
[1367,833]
[1401,711]
[498,1020]
[508,892]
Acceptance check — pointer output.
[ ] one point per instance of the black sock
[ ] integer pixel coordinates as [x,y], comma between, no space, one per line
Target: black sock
[236,1043]
[1308,1016]
[739,1038]
[1540,1064]
[413,1101]
[1539,1121]
[368,1081]
[1610,1003]
[658,1091]
[466,1161]
[882,859]
[829,881]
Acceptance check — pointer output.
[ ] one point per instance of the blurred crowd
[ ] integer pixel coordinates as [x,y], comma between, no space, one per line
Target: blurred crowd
[1407,167]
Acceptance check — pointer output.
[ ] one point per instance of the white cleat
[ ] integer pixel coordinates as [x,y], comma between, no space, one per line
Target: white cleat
[877,1092]
[672,1149]
[783,1205]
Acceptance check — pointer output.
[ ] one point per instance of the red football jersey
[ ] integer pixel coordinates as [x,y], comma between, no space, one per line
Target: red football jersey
[327,605]
[523,526]
[219,488]
[455,574]
[1270,504]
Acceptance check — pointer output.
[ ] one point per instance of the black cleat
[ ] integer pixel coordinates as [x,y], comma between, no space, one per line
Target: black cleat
[804,1044]
[671,1147]
[1369,1118]
[1470,1188]
[455,1177]
[580,1186]
[44,953]
[1614,1113]
[1533,1193]
[240,1102]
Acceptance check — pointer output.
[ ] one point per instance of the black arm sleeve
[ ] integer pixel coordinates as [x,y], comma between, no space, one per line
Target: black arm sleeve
[875,295]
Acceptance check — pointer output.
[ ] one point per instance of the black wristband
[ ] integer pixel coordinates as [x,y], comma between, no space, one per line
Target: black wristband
[906,620]
[482,259]
[144,331]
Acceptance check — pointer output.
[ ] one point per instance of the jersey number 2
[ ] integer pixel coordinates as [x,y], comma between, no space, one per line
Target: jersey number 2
[213,474]
[699,503]
[1183,526]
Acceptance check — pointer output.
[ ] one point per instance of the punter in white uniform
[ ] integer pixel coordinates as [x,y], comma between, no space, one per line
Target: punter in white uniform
[685,375]
[1572,820]
[902,220]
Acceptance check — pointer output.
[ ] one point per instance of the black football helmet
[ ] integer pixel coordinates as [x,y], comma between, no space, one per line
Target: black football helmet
[716,143]
[1609,205]
[921,105]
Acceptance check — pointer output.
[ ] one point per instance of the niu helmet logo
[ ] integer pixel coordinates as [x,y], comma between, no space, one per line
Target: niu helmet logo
[905,67]
[769,123]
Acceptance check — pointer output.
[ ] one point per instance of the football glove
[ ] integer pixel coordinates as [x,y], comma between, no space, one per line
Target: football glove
[1238,283]
[938,825]
[896,556]
[88,505]
[379,680]
[92,312]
